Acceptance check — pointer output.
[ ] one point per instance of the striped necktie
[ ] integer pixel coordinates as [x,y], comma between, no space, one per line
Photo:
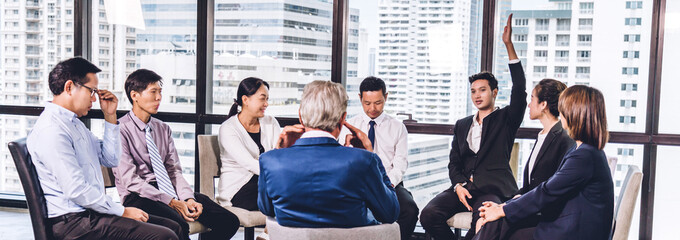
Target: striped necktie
[162,178]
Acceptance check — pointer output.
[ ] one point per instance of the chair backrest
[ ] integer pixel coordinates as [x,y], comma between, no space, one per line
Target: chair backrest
[35,199]
[514,161]
[109,179]
[612,161]
[209,163]
[373,232]
[625,204]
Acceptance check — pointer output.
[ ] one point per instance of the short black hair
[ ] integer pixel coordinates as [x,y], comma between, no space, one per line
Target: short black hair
[74,69]
[372,83]
[139,80]
[493,82]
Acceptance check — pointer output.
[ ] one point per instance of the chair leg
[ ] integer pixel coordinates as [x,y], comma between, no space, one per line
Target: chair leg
[457,232]
[249,233]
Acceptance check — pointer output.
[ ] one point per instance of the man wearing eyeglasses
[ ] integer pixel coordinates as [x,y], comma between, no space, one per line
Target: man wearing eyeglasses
[68,160]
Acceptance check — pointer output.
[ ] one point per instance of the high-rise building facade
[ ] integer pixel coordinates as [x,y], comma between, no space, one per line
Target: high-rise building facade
[423,56]
[34,36]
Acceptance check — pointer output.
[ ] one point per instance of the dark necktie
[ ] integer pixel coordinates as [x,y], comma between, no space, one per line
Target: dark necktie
[371,133]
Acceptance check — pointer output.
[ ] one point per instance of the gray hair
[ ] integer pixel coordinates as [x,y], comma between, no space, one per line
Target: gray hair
[323,104]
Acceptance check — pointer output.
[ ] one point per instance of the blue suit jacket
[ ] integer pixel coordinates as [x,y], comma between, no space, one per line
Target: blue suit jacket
[319,183]
[576,203]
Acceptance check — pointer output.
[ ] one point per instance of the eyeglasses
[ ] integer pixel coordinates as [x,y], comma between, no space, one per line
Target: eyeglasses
[92,90]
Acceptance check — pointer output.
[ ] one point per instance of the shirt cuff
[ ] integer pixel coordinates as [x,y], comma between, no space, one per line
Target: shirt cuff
[165,198]
[513,61]
[117,209]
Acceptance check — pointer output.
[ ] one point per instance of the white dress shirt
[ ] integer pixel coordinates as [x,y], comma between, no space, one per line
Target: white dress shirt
[534,152]
[391,142]
[474,137]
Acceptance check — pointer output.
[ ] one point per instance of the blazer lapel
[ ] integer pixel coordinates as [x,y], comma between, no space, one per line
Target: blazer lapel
[463,145]
[552,135]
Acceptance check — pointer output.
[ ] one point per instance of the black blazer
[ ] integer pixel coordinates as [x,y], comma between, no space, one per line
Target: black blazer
[490,165]
[580,194]
[549,157]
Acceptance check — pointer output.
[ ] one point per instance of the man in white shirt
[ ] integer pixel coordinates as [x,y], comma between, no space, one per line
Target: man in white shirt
[390,141]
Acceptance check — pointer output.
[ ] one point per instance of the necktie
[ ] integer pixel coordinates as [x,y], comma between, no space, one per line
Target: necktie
[162,178]
[371,133]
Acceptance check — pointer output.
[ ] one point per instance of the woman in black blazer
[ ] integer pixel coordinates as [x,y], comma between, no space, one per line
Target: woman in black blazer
[577,202]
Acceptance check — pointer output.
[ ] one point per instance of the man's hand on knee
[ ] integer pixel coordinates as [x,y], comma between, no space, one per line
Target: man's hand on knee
[463,195]
[135,214]
[182,208]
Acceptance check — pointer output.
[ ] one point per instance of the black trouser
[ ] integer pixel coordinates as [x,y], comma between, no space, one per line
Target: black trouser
[408,212]
[501,229]
[223,224]
[444,206]
[246,197]
[93,225]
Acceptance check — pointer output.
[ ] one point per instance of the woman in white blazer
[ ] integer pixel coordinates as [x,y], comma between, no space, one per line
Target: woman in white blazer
[243,137]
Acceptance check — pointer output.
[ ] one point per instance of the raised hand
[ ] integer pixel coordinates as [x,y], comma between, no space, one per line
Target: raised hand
[507,39]
[357,139]
[507,31]
[289,135]
[108,102]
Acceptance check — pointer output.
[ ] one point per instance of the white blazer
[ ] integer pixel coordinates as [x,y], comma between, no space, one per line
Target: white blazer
[240,155]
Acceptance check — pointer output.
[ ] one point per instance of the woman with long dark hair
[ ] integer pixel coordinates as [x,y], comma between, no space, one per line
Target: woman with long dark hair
[243,137]
[577,202]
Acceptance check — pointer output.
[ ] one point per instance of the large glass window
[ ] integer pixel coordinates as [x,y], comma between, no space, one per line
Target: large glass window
[12,127]
[600,40]
[33,38]
[286,43]
[164,42]
[668,115]
[666,198]
[423,50]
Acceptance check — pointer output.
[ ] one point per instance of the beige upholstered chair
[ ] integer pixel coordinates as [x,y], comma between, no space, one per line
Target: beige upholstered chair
[110,181]
[375,232]
[463,220]
[625,203]
[209,155]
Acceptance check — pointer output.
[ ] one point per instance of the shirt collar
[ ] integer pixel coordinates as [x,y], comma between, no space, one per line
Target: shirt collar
[317,133]
[60,111]
[474,119]
[377,120]
[138,122]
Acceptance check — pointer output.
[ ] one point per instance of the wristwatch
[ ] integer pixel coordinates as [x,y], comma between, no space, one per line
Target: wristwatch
[459,184]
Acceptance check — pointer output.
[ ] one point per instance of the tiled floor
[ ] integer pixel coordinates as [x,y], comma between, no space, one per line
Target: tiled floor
[16,224]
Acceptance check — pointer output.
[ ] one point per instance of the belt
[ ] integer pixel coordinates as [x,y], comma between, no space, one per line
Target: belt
[66,217]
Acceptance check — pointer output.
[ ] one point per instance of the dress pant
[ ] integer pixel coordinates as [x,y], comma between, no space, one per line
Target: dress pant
[222,222]
[93,225]
[246,197]
[444,206]
[408,212]
[502,230]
